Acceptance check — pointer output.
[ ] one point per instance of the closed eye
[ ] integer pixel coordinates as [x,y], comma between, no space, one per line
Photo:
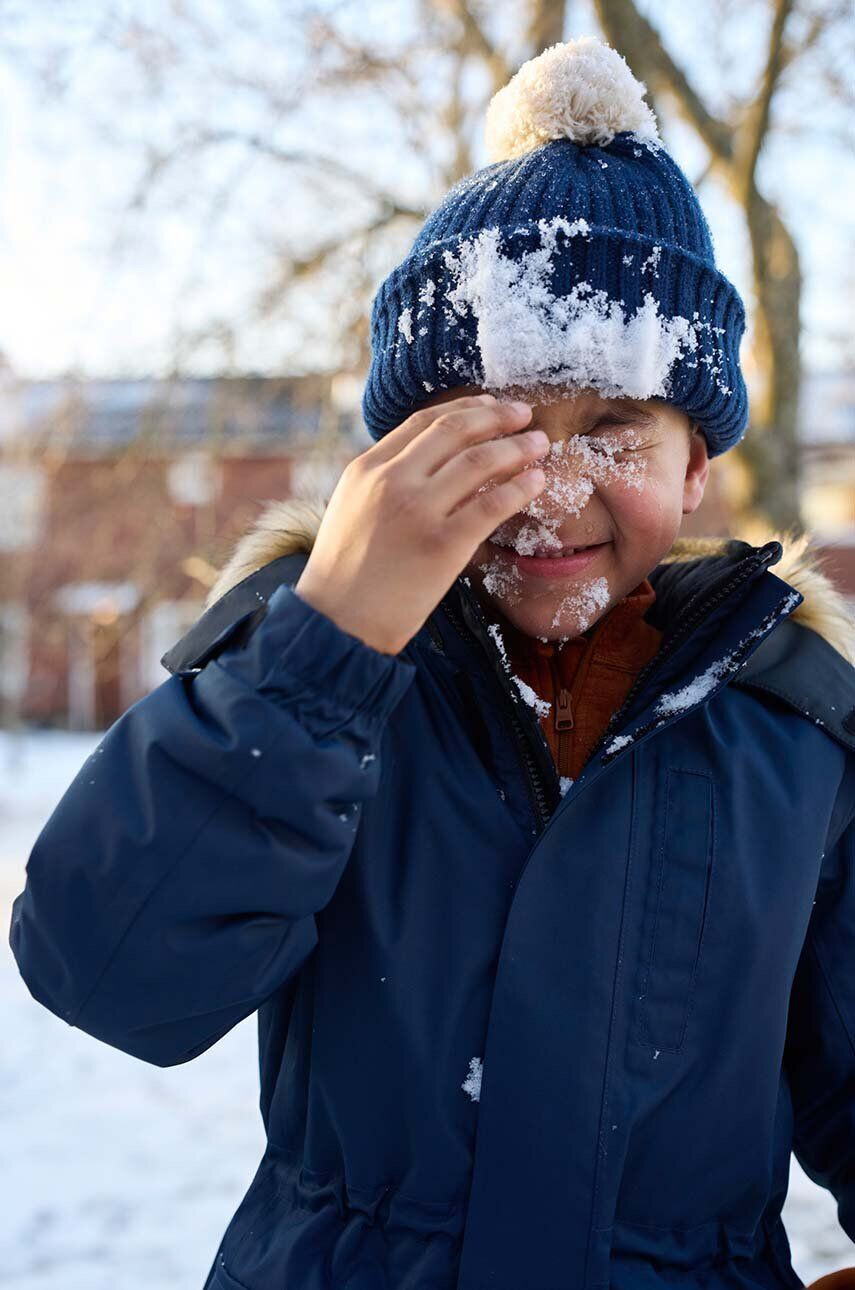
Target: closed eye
[607,445]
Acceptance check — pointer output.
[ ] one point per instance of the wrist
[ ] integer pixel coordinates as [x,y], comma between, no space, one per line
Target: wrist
[343,618]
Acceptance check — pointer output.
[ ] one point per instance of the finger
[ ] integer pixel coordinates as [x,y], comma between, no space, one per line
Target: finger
[395,440]
[459,429]
[491,459]
[475,520]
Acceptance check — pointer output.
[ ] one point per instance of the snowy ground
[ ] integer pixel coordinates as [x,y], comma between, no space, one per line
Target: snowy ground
[118,1175]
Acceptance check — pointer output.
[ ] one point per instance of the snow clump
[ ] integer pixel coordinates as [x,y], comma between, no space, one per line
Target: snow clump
[472,1083]
[526,334]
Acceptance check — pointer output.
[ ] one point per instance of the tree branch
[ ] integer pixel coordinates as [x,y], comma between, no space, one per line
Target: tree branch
[474,40]
[454,120]
[640,43]
[757,120]
[545,24]
[820,23]
[159,161]
[294,268]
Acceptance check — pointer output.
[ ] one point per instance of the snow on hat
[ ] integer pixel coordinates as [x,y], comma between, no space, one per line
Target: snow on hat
[579,256]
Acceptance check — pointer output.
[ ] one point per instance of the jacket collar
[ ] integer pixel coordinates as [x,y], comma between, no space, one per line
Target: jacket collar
[289,527]
[623,638]
[812,669]
[715,629]
[682,586]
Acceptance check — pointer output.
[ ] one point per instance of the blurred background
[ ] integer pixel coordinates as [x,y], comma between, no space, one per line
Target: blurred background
[198,200]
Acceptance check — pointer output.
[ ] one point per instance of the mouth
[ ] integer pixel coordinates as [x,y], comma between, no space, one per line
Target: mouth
[567,561]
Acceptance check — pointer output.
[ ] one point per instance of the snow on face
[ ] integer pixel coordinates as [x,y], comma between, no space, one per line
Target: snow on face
[615,477]
[573,468]
[585,605]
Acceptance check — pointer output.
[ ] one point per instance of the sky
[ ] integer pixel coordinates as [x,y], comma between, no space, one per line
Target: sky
[92,287]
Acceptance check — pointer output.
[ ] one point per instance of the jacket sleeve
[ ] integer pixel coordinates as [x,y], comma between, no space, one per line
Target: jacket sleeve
[174,887]
[820,1048]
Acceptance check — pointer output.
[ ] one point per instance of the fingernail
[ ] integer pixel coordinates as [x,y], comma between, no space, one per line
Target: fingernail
[520,407]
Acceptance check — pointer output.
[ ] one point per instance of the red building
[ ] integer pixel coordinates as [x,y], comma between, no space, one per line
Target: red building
[119,500]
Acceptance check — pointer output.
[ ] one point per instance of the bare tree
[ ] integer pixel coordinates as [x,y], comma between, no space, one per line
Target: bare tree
[734,145]
[425,86]
[419,93]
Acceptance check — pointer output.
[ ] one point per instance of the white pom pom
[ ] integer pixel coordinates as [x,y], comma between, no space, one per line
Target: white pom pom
[581,90]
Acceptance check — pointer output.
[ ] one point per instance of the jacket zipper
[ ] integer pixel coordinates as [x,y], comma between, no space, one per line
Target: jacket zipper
[564,724]
[564,720]
[563,709]
[683,626]
[534,780]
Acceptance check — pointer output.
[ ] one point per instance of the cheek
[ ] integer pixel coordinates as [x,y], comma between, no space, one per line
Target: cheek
[650,508]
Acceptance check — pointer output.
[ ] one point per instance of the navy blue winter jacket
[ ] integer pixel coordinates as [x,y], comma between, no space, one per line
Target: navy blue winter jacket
[509,1040]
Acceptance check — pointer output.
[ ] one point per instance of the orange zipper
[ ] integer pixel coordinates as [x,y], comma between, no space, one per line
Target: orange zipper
[564,710]
[563,722]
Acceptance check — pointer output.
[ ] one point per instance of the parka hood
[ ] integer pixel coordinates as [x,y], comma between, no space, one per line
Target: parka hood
[290,526]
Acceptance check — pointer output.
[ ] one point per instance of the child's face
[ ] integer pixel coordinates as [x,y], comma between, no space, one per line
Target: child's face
[620,473]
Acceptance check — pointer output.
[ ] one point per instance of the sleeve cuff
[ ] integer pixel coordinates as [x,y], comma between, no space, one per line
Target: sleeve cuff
[297,656]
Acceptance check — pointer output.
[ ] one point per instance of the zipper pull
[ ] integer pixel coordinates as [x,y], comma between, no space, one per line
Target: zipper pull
[563,711]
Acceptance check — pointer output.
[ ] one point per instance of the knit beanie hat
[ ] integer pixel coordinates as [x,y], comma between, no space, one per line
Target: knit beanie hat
[579,257]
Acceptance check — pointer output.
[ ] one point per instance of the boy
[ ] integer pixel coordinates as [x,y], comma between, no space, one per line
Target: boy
[519,1027]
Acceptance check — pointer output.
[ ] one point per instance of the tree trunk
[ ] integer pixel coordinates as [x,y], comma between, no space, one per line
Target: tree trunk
[545,24]
[771,447]
[769,451]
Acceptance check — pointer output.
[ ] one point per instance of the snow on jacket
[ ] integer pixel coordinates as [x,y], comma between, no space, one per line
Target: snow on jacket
[509,1039]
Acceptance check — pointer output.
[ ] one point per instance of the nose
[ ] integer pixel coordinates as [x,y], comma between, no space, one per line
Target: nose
[569,485]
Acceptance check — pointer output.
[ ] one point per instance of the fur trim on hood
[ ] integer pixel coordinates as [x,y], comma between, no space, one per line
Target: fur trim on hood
[291,525]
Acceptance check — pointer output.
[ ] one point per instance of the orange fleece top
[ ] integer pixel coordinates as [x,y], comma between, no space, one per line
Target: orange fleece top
[587,678]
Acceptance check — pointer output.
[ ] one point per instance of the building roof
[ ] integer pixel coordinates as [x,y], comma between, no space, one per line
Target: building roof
[105,415]
[263,413]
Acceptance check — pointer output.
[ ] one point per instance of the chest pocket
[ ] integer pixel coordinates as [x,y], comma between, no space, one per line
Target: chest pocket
[676,908]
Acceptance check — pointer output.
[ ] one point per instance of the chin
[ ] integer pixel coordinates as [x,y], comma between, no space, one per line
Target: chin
[535,619]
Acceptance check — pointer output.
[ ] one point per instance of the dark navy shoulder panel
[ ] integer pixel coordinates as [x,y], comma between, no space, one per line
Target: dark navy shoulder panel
[234,615]
[799,666]
[794,662]
[681,583]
